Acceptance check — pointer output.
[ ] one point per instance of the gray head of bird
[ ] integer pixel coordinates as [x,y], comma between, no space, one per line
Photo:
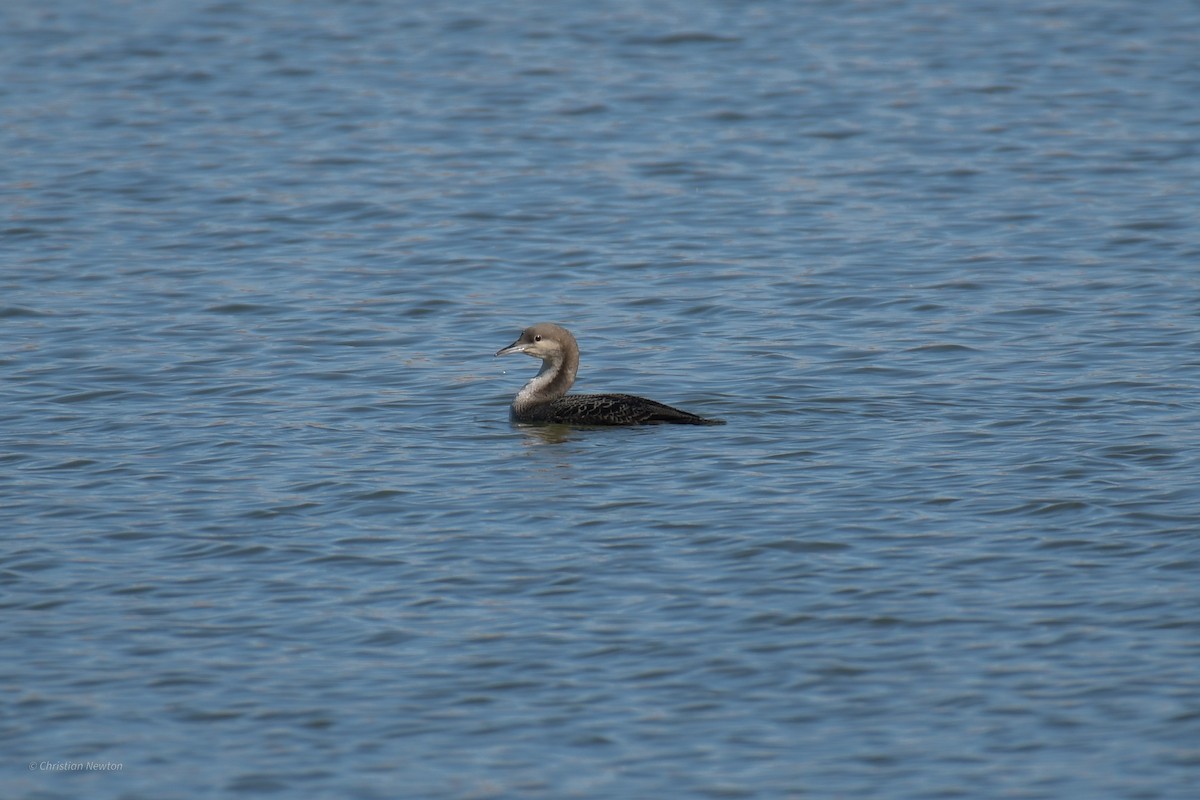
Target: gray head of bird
[544,340]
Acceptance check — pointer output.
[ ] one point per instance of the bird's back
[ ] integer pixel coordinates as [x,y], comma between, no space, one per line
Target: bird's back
[609,409]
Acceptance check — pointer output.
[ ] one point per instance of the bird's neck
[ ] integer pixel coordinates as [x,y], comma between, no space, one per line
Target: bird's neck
[552,381]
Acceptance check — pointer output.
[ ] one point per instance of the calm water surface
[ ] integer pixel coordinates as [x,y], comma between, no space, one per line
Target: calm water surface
[268,530]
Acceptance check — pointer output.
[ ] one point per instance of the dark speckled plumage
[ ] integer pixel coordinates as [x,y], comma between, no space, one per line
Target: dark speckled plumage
[608,409]
[544,399]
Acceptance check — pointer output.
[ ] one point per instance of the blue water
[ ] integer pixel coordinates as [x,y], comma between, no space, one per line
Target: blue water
[268,529]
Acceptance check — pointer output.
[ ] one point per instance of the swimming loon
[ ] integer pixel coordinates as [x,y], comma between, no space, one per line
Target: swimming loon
[545,398]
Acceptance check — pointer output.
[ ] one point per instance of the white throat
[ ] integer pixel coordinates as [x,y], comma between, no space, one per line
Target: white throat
[537,384]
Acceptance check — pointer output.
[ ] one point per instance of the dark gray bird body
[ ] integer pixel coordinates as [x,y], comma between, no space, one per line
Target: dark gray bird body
[544,399]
